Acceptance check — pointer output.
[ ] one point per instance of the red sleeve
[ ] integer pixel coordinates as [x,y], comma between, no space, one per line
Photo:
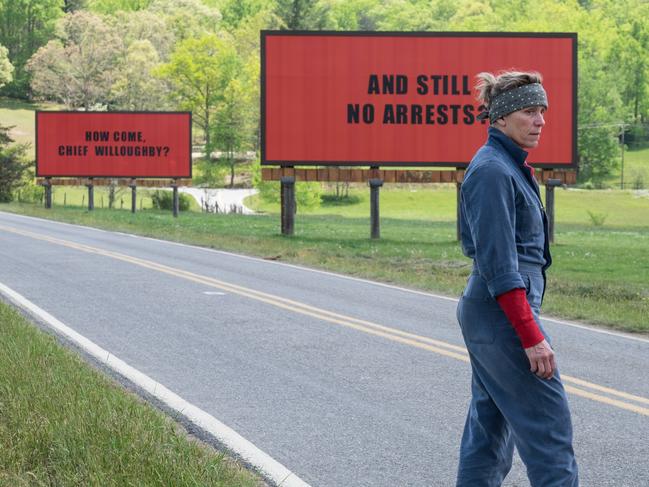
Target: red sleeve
[517,309]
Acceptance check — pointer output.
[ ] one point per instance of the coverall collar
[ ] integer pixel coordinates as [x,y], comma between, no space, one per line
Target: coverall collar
[497,137]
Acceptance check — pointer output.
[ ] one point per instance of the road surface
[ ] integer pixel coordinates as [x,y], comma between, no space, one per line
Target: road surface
[343,381]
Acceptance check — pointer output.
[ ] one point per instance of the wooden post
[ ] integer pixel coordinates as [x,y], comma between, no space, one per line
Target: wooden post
[133,196]
[458,216]
[288,204]
[48,193]
[375,221]
[91,195]
[550,184]
[175,201]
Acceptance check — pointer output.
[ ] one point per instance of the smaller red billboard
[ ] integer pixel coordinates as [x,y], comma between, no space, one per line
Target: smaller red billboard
[114,144]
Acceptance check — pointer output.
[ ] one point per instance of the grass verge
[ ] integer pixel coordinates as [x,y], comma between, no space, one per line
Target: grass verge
[599,275]
[63,423]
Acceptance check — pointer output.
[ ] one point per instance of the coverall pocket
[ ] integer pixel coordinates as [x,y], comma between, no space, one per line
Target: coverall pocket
[478,320]
[529,223]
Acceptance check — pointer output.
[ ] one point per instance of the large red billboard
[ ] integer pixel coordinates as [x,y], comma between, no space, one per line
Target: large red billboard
[403,99]
[113,144]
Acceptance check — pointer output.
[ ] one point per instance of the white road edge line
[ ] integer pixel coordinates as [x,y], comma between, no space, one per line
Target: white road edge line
[268,466]
[328,273]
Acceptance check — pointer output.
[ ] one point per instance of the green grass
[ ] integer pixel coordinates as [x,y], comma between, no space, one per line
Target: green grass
[599,274]
[622,209]
[77,196]
[64,424]
[20,115]
[636,170]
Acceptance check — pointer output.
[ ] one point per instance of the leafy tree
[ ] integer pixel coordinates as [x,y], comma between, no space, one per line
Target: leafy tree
[135,87]
[198,72]
[629,57]
[187,18]
[112,6]
[13,165]
[78,68]
[6,69]
[303,14]
[234,123]
[73,5]
[359,15]
[237,11]
[144,25]
[25,25]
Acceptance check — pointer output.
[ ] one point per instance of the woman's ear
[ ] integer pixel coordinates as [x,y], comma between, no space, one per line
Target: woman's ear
[501,122]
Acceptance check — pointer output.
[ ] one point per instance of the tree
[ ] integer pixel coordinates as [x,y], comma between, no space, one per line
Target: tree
[73,5]
[234,123]
[112,6]
[237,11]
[77,69]
[629,58]
[187,18]
[13,165]
[302,14]
[135,87]
[6,69]
[25,25]
[198,72]
[144,25]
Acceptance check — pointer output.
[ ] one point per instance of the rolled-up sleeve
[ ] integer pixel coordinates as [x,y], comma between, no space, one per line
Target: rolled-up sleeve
[489,207]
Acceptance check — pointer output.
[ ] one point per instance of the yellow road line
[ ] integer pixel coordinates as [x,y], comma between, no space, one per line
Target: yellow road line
[606,400]
[608,390]
[393,334]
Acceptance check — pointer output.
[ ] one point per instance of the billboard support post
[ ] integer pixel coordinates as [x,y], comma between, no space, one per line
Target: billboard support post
[550,184]
[175,202]
[133,187]
[91,195]
[288,204]
[47,184]
[458,215]
[375,184]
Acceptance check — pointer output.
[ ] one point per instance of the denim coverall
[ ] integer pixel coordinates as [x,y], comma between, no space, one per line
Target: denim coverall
[504,230]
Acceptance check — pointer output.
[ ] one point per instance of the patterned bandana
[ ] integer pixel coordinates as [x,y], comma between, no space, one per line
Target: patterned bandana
[525,96]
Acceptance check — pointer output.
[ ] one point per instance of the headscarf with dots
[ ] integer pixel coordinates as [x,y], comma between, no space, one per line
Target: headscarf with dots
[531,95]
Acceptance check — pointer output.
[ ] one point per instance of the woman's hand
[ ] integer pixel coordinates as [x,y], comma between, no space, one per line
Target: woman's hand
[541,357]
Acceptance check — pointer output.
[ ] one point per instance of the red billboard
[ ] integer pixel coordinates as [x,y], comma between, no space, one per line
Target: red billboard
[114,144]
[403,99]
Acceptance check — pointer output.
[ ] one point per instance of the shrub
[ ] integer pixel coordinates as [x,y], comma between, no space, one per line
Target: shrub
[13,165]
[30,193]
[164,200]
[597,219]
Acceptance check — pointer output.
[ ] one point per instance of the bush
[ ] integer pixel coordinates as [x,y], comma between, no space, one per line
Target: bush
[164,200]
[597,219]
[211,174]
[30,193]
[334,200]
[13,165]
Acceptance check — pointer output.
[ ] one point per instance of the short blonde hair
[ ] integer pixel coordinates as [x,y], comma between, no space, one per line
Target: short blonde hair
[490,85]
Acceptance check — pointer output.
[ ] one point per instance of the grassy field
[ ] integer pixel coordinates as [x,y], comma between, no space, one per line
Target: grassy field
[77,196]
[64,424]
[636,170]
[599,276]
[619,209]
[20,115]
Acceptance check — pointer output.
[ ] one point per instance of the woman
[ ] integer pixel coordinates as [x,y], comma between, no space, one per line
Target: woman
[517,395]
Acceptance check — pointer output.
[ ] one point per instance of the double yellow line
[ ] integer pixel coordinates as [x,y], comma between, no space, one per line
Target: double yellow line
[588,390]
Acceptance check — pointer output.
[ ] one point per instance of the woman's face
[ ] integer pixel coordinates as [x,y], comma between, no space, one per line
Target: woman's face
[524,126]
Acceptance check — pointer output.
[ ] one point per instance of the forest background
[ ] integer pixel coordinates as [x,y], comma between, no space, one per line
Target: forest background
[203,56]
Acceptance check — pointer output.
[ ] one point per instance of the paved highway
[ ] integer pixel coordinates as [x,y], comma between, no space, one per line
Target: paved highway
[343,381]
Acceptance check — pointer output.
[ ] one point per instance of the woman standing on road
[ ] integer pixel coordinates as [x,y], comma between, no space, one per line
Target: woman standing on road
[517,395]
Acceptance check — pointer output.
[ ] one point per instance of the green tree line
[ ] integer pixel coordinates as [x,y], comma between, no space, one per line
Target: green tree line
[203,55]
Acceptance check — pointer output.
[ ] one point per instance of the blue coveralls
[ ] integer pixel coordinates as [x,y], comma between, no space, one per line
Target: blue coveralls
[504,231]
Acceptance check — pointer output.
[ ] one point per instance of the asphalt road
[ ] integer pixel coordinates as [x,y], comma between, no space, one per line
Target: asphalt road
[345,382]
